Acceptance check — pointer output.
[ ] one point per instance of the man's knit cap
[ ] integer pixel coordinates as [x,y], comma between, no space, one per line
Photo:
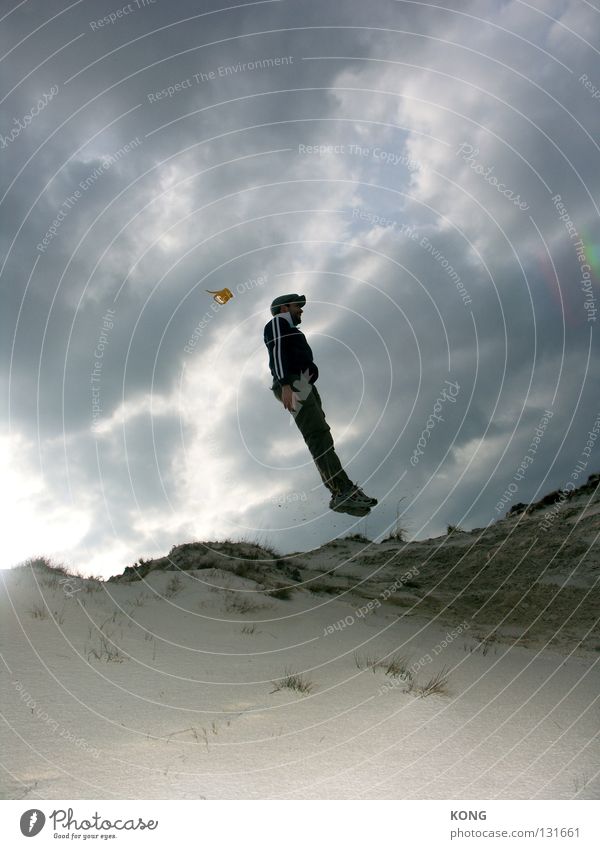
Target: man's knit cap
[286,299]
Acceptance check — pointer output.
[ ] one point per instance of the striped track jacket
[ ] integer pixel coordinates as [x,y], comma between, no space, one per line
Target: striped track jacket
[289,352]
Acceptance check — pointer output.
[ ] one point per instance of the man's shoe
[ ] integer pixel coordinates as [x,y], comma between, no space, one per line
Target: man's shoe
[349,508]
[352,501]
[372,501]
[357,496]
[354,511]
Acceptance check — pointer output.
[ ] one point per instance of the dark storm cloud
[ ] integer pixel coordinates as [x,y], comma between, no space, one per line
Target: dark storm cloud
[185,130]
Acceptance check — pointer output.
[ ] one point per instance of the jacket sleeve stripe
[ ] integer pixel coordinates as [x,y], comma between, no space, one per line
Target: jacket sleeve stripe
[277,361]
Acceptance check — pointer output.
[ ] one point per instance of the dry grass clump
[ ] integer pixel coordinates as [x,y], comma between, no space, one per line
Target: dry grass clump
[397,535]
[358,538]
[174,585]
[281,593]
[240,604]
[396,666]
[326,589]
[248,570]
[55,576]
[106,649]
[38,611]
[45,564]
[437,684]
[292,681]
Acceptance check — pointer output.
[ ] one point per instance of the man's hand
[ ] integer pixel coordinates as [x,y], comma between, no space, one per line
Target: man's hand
[288,397]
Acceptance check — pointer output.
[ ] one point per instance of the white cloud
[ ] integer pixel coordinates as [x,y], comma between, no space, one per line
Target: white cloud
[34,522]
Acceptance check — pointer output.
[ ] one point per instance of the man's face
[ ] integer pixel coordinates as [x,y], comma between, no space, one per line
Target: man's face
[295,311]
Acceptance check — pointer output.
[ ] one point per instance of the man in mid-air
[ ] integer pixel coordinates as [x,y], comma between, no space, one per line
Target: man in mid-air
[294,376]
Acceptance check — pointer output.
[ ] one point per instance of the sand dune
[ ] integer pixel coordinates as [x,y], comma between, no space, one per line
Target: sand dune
[459,667]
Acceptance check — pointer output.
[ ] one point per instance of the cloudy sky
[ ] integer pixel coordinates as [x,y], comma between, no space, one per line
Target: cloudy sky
[426,174]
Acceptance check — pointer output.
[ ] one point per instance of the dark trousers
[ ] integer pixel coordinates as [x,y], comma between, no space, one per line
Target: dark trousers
[311,423]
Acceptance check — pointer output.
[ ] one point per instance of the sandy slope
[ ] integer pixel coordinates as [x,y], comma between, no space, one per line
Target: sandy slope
[159,683]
